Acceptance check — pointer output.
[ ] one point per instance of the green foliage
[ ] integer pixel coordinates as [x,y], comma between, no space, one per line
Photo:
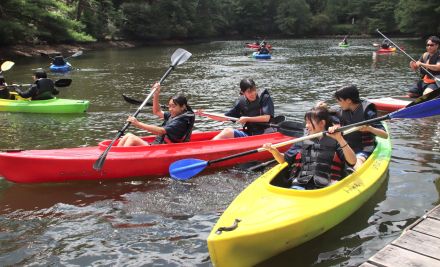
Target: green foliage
[418,16]
[293,17]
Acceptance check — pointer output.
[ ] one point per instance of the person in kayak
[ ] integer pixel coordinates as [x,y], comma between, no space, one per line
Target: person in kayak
[251,109]
[43,88]
[177,125]
[385,44]
[353,110]
[59,60]
[430,60]
[263,49]
[4,91]
[318,162]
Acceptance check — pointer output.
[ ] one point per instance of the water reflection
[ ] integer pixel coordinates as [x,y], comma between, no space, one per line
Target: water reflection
[162,222]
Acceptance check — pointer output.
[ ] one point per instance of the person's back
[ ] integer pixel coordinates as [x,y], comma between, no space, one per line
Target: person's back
[59,61]
[43,88]
[385,44]
[4,91]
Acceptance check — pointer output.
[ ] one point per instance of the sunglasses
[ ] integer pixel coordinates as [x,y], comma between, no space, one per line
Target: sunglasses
[430,44]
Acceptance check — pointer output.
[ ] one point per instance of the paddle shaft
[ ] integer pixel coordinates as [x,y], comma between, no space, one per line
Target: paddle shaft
[427,71]
[347,129]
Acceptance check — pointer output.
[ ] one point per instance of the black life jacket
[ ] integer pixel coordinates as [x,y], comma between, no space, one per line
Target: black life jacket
[359,141]
[163,139]
[317,164]
[59,61]
[431,60]
[253,109]
[45,89]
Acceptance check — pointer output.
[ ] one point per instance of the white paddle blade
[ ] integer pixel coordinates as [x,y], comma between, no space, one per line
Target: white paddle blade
[7,65]
[180,56]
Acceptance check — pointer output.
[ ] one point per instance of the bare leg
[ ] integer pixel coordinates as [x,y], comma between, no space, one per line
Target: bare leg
[132,140]
[226,133]
[359,162]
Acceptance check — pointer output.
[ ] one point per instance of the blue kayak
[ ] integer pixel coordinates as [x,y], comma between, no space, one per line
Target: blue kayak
[60,68]
[261,56]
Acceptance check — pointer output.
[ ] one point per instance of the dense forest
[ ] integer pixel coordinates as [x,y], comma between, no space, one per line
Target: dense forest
[67,21]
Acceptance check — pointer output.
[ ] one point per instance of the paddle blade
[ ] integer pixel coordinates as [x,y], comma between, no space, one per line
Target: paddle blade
[186,168]
[7,65]
[422,110]
[278,119]
[63,82]
[77,54]
[180,56]
[291,128]
[424,98]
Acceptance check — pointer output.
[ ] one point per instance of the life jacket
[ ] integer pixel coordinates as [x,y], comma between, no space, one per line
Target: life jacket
[317,164]
[431,60]
[163,139]
[253,109]
[359,141]
[59,61]
[45,89]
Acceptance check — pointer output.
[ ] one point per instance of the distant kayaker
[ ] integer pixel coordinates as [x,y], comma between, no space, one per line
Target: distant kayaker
[43,88]
[4,91]
[318,162]
[430,60]
[177,125]
[352,110]
[263,49]
[58,60]
[250,109]
[385,44]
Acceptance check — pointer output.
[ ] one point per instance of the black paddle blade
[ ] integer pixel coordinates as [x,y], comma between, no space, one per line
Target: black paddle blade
[291,128]
[63,82]
[424,98]
[278,119]
[132,100]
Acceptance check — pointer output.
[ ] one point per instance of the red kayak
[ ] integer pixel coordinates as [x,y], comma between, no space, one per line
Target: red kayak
[386,50]
[390,104]
[73,164]
[256,46]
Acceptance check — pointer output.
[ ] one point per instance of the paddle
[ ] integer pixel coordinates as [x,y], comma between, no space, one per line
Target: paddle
[437,80]
[76,54]
[138,102]
[424,98]
[179,56]
[186,168]
[7,65]
[221,117]
[57,83]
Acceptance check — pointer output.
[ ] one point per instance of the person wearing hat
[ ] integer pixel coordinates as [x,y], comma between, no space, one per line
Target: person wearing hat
[430,60]
[251,108]
[4,91]
[43,88]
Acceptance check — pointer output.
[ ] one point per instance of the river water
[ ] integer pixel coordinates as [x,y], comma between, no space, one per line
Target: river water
[161,222]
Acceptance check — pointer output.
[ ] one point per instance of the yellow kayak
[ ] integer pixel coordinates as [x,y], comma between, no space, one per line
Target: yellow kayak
[266,219]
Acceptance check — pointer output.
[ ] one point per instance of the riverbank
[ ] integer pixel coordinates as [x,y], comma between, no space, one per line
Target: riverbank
[8,52]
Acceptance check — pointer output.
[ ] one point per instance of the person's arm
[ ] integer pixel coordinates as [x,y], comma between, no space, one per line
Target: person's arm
[433,67]
[28,93]
[375,128]
[279,157]
[151,128]
[156,106]
[349,155]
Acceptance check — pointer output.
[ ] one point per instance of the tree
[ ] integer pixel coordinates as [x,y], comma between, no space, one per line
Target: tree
[418,16]
[293,17]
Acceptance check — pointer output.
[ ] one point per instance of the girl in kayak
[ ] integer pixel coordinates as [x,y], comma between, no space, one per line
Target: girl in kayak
[352,110]
[177,125]
[251,109]
[318,162]
[4,91]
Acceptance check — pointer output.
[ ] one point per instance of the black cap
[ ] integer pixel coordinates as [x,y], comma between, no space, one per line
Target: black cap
[40,73]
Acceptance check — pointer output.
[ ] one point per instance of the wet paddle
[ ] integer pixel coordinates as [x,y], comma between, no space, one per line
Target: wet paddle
[7,65]
[221,117]
[436,79]
[76,54]
[180,56]
[186,168]
[138,102]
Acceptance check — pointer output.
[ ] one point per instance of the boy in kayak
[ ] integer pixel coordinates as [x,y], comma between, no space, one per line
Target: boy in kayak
[318,162]
[251,109]
[4,91]
[353,110]
[59,60]
[430,60]
[43,88]
[177,125]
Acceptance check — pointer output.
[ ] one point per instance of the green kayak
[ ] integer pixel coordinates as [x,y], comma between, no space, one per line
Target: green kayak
[55,105]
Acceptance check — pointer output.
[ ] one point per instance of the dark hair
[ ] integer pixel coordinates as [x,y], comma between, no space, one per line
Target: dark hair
[348,92]
[246,84]
[433,39]
[181,100]
[40,73]
[2,80]
[319,113]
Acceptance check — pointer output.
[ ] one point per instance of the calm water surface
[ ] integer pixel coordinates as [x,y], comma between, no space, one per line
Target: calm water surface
[162,222]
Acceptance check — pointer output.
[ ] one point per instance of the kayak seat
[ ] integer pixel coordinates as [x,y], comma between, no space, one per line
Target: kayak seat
[282,179]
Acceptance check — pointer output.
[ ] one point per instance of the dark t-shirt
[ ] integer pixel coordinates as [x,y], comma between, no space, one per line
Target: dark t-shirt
[176,128]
